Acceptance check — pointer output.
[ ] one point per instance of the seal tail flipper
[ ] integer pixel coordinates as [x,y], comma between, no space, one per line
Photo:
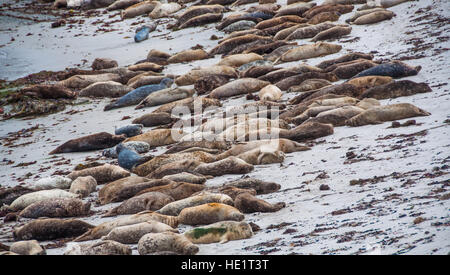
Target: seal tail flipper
[424,113]
[110,106]
[224,239]
[87,236]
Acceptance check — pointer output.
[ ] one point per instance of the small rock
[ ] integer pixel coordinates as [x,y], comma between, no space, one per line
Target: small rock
[324,187]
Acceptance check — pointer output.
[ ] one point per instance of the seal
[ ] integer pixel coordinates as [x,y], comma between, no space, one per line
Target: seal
[148,201]
[130,234]
[154,119]
[238,87]
[177,190]
[239,59]
[244,47]
[342,89]
[124,190]
[358,14]
[89,143]
[189,103]
[188,55]
[345,58]
[342,9]
[154,138]
[284,33]
[166,241]
[30,198]
[374,17]
[381,114]
[248,203]
[83,186]
[109,89]
[195,10]
[310,51]
[346,71]
[327,16]
[222,232]
[122,4]
[345,100]
[338,116]
[144,79]
[146,66]
[130,130]
[104,228]
[45,91]
[174,167]
[310,112]
[192,76]
[138,146]
[102,174]
[396,89]
[181,146]
[9,194]
[261,187]
[303,106]
[164,96]
[229,44]
[128,158]
[103,63]
[56,208]
[186,177]
[79,82]
[109,192]
[236,18]
[393,69]
[239,26]
[234,191]
[288,82]
[294,9]
[53,182]
[262,155]
[209,213]
[308,131]
[309,85]
[278,21]
[202,20]
[137,95]
[174,208]
[141,8]
[309,31]
[332,33]
[270,93]
[281,74]
[370,81]
[257,71]
[368,103]
[31,247]
[157,57]
[50,229]
[229,165]
[158,161]
[164,10]
[265,49]
[99,248]
[208,83]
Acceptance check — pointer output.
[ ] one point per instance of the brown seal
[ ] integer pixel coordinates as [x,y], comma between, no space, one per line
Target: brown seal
[396,89]
[345,58]
[92,142]
[261,187]
[248,203]
[102,174]
[174,167]
[209,213]
[202,20]
[288,82]
[229,165]
[208,83]
[50,229]
[332,33]
[56,208]
[309,85]
[108,193]
[148,201]
[177,190]
[343,89]
[238,87]
[342,9]
[166,241]
[327,16]
[281,74]
[46,91]
[308,131]
[154,119]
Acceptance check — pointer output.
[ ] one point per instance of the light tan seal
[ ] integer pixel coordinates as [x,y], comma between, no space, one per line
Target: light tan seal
[130,234]
[56,208]
[310,51]
[102,174]
[177,190]
[109,192]
[154,138]
[188,55]
[148,201]
[31,247]
[195,74]
[237,60]
[107,247]
[222,232]
[166,241]
[262,155]
[270,93]
[209,213]
[33,197]
[83,186]
[239,87]
[229,165]
[248,203]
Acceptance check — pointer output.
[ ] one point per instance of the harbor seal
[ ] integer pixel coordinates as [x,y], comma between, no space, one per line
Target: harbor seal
[308,131]
[370,81]
[248,203]
[121,191]
[228,45]
[310,51]
[283,145]
[195,10]
[222,232]
[195,74]
[309,31]
[202,20]
[106,247]
[270,93]
[238,87]
[345,58]
[9,194]
[31,247]
[164,96]
[393,69]
[122,4]
[295,80]
[174,167]
[368,103]
[269,23]
[45,91]
[79,82]
[186,177]
[103,63]
[346,71]
[239,26]
[144,79]
[154,138]
[89,143]
[154,119]
[294,9]
[109,89]
[164,10]
[174,208]
[283,73]
[181,146]
[56,208]
[138,146]
[108,193]
[140,8]
[208,83]
[338,116]
[128,158]
[188,55]
[374,17]
[209,213]
[343,89]
[342,9]
[381,114]
[148,201]
[257,71]
[102,174]
[166,241]
[130,234]
[396,89]
[129,130]
[262,155]
[30,198]
[358,14]
[177,190]
[229,165]
[83,186]
[50,229]
[53,182]
[261,187]
[237,60]
[234,191]
[332,33]
[309,85]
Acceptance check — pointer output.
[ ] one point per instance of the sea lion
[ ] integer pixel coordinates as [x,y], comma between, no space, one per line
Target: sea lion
[158,161]
[209,213]
[338,116]
[111,191]
[270,93]
[79,82]
[30,198]
[309,31]
[108,89]
[174,208]
[194,11]
[370,81]
[45,91]
[83,186]
[248,203]
[262,155]
[396,89]
[238,87]
[307,131]
[154,138]
[104,228]
[164,96]
[332,33]
[148,201]
[136,95]
[393,69]
[381,114]
[310,51]
[229,165]
[281,74]
[239,59]
[327,16]
[309,85]
[174,167]
[164,10]
[154,119]
[53,182]
[103,63]
[201,20]
[107,247]
[294,9]
[374,17]
[342,9]
[50,229]
[89,143]
[9,194]
[346,71]
[261,187]
[186,177]
[56,208]
[345,58]
[181,146]
[208,83]
[368,103]
[188,55]
[166,241]
[288,82]
[122,4]
[222,232]
[342,89]
[229,44]
[130,234]
[177,190]
[239,26]
[31,247]
[192,76]
[141,8]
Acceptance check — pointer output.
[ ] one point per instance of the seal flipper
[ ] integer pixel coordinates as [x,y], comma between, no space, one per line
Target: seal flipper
[224,239]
